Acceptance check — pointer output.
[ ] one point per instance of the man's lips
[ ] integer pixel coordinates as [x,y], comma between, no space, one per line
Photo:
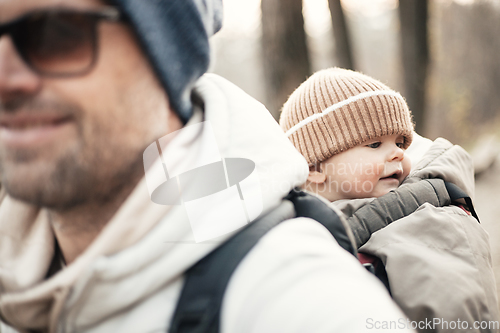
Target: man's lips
[22,121]
[28,130]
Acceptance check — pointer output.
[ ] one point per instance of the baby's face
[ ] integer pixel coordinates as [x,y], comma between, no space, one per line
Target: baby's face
[370,169]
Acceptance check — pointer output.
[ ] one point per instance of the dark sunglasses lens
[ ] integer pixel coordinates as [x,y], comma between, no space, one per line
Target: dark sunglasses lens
[58,43]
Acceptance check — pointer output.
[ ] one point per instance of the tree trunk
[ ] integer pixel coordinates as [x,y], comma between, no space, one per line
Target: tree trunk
[342,44]
[415,51]
[286,58]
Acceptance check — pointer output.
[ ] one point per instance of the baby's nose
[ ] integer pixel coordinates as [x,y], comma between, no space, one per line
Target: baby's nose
[397,154]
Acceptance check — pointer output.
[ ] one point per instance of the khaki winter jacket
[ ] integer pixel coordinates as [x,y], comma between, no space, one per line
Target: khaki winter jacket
[438,259]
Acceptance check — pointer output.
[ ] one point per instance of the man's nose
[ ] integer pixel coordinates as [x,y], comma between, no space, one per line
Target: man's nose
[16,78]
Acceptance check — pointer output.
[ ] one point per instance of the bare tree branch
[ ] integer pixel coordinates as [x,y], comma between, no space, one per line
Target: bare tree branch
[286,58]
[413,17]
[342,44]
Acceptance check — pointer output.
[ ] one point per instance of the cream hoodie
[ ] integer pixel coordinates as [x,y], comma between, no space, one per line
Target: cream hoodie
[296,279]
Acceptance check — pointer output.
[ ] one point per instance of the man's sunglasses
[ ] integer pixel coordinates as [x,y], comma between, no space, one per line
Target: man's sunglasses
[58,42]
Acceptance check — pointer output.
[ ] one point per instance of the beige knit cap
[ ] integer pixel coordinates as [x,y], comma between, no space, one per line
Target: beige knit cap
[337,109]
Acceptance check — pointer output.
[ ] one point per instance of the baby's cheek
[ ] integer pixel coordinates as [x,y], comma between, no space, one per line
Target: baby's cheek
[380,169]
[406,163]
[369,175]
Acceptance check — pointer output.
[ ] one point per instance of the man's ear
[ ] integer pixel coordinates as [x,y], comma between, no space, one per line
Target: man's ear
[316,176]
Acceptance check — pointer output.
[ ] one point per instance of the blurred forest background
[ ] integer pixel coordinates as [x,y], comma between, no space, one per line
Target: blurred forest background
[442,55]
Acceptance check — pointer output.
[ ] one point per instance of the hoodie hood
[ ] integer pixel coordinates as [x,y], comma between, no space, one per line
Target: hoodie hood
[145,246]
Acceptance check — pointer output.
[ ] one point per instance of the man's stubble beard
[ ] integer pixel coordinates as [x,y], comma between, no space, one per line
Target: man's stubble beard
[83,174]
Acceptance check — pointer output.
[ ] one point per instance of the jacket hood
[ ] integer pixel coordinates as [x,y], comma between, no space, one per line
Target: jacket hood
[145,246]
[446,161]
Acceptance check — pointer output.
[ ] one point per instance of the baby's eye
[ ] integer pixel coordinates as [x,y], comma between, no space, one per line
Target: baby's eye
[400,144]
[374,145]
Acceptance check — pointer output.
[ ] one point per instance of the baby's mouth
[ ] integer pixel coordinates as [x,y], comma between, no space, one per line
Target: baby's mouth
[395,175]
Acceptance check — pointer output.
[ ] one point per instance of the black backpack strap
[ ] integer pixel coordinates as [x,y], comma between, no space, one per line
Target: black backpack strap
[456,193]
[199,306]
[307,205]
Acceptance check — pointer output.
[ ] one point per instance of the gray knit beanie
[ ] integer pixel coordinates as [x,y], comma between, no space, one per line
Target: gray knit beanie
[337,109]
[174,34]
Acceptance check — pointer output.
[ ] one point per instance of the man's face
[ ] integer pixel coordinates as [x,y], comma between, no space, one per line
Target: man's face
[67,141]
[370,169]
